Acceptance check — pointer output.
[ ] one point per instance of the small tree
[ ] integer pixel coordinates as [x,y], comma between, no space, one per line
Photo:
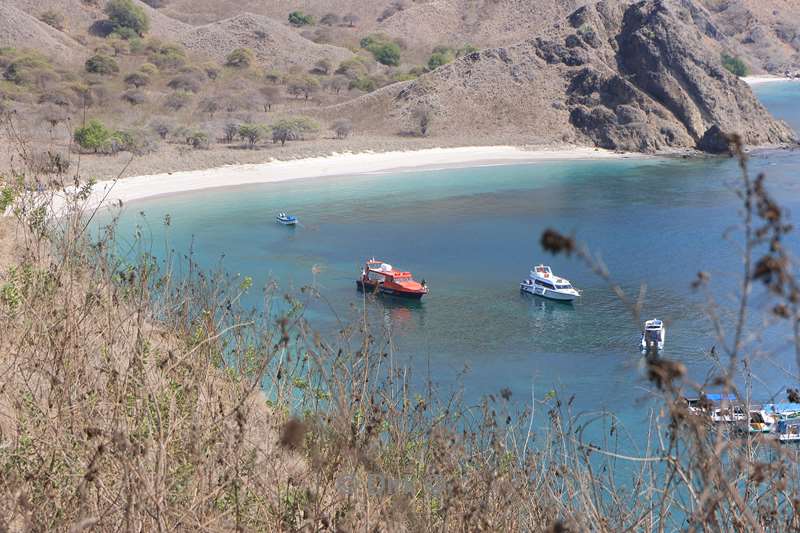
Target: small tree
[323,67]
[252,133]
[231,131]
[338,82]
[137,79]
[343,128]
[126,14]
[240,58]
[422,115]
[177,100]
[161,127]
[198,140]
[292,129]
[441,56]
[210,105]
[350,19]
[302,86]
[298,18]
[101,64]
[383,50]
[184,82]
[735,65]
[134,97]
[330,19]
[93,136]
[269,95]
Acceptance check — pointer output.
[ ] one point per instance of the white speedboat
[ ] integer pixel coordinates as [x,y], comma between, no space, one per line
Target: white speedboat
[286,220]
[542,282]
[654,335]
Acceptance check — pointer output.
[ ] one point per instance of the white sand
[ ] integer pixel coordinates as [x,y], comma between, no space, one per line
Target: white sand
[345,164]
[765,78]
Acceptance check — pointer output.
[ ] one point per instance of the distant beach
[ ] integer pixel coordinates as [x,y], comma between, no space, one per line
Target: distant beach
[766,78]
[140,187]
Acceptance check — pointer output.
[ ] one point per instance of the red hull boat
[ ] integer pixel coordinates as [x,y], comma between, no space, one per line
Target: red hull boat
[381,277]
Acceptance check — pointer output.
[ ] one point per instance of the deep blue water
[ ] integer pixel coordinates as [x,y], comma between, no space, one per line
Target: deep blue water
[473,234]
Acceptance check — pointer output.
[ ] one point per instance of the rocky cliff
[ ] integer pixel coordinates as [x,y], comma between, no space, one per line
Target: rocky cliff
[640,77]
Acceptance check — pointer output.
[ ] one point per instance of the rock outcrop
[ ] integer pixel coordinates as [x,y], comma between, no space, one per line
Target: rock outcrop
[643,77]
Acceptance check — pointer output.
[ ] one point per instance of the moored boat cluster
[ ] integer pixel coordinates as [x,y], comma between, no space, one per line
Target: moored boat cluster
[776,420]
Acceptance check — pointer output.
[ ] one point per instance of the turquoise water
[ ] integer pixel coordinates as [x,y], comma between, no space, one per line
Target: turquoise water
[473,234]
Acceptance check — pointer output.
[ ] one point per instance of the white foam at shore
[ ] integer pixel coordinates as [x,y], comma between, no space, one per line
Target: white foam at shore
[343,164]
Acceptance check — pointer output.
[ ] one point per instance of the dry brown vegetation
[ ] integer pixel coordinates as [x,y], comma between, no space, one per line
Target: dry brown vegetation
[138,394]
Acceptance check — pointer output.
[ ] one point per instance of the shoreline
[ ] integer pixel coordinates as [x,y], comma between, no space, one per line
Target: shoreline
[765,78]
[110,192]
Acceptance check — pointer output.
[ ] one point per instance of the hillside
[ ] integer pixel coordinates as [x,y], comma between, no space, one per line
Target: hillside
[636,77]
[80,16]
[275,45]
[645,76]
[17,26]
[765,31]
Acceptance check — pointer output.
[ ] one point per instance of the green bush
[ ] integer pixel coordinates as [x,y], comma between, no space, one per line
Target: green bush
[240,58]
[25,69]
[167,56]
[137,79]
[93,136]
[364,83]
[298,18]
[383,50]
[126,14]
[466,50]
[198,140]
[101,64]
[735,65]
[441,56]
[252,133]
[295,128]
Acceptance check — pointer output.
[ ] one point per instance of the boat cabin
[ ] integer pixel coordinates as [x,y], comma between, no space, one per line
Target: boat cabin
[380,271]
[543,276]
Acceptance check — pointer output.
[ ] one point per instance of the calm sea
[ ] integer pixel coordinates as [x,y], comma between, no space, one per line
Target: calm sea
[473,234]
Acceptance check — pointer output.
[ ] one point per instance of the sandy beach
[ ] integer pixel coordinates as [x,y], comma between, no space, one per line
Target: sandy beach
[766,78]
[342,164]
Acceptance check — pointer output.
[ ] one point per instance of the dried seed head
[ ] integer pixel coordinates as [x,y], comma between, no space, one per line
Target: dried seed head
[293,433]
[555,243]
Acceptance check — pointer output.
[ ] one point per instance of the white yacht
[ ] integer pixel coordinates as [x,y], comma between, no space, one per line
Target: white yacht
[654,335]
[542,282]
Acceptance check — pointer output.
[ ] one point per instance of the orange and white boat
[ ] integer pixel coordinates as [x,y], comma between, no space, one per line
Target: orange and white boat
[381,277]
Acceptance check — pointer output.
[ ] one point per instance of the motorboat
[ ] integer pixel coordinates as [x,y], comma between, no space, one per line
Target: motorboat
[653,336]
[719,408]
[542,282]
[789,430]
[378,276]
[286,220]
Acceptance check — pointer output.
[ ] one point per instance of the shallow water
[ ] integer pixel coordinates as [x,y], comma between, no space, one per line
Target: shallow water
[473,234]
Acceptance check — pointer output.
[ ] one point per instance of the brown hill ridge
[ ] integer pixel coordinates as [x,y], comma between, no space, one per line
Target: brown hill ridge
[639,77]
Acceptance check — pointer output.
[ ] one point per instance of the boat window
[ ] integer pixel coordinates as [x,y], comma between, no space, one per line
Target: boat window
[545,284]
[567,286]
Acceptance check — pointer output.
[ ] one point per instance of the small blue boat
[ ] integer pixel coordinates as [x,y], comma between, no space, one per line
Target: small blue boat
[286,220]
